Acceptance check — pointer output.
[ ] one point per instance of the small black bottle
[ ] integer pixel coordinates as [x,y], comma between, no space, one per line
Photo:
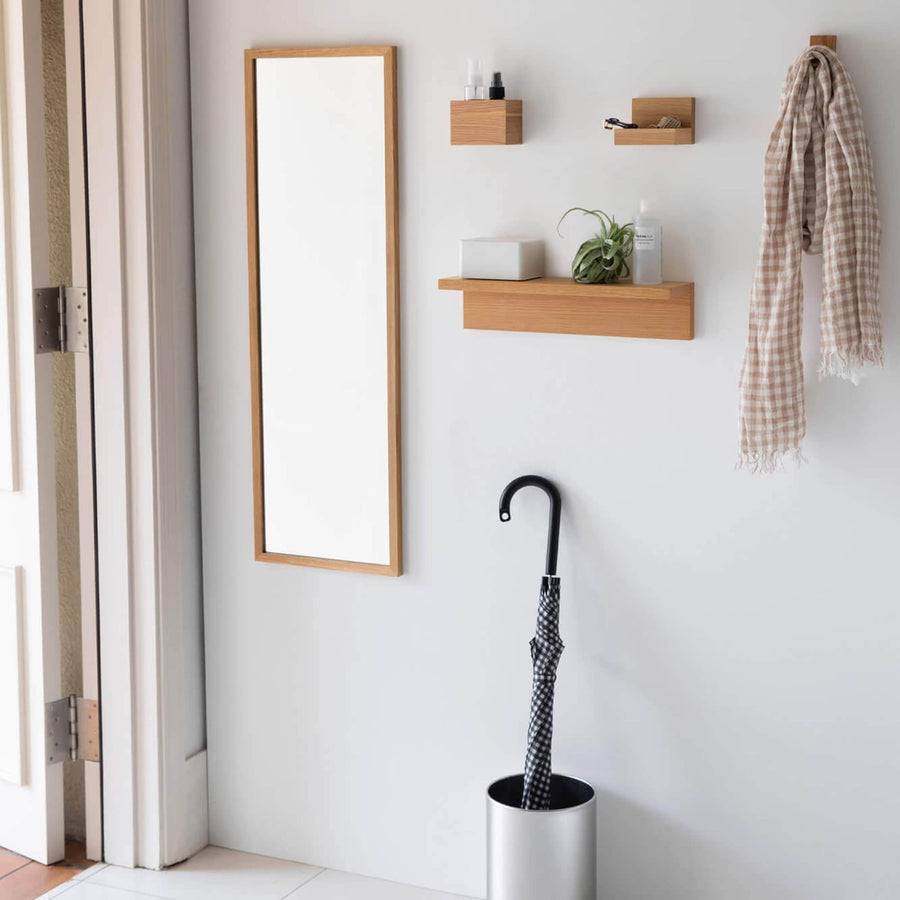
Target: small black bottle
[496,91]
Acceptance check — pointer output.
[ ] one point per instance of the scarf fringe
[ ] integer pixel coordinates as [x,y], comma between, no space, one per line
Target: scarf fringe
[851,365]
[767,462]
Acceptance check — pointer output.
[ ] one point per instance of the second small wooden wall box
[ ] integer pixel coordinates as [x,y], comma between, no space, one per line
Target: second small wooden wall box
[485,122]
[646,112]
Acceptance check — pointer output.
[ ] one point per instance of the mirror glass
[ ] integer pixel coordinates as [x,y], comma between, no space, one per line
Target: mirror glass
[324,306]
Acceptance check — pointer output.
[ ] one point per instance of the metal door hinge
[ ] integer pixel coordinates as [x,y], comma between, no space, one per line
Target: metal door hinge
[61,320]
[73,729]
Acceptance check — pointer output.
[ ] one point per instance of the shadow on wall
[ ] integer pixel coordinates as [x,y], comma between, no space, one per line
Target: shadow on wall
[643,856]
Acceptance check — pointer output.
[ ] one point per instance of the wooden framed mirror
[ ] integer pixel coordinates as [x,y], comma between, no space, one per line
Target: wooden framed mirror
[324,306]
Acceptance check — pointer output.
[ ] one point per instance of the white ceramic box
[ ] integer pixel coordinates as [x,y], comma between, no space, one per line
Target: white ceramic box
[506,259]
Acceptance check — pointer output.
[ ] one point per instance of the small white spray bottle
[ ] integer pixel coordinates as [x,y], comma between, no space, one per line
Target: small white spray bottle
[474,80]
[647,248]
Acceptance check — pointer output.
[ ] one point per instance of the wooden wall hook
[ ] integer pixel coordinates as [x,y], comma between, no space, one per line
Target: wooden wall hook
[823,40]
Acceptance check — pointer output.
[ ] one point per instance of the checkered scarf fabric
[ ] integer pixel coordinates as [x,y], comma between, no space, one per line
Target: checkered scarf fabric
[546,649]
[819,198]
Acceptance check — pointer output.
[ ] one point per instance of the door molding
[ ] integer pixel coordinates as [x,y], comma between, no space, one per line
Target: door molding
[84,421]
[155,809]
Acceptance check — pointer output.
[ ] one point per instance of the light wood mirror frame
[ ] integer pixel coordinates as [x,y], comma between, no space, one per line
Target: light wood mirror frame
[394,565]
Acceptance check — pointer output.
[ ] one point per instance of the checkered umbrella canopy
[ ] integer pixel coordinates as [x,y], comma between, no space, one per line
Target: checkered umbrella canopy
[546,649]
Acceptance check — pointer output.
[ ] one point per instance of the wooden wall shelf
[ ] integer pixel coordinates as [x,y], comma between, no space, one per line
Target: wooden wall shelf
[647,111]
[481,122]
[563,306]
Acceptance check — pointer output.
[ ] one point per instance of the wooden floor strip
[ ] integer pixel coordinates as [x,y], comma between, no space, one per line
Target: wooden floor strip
[32,880]
[9,862]
[23,879]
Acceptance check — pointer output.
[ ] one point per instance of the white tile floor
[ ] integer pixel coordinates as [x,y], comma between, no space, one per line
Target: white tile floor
[217,874]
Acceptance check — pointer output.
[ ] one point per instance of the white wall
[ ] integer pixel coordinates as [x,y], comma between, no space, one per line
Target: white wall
[730,676]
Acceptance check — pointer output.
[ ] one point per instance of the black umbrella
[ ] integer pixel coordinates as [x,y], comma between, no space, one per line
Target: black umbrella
[546,649]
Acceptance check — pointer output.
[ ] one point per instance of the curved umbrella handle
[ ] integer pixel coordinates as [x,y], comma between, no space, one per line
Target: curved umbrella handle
[555,507]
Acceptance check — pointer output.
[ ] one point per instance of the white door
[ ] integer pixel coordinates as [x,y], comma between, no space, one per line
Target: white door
[31,790]
[135,157]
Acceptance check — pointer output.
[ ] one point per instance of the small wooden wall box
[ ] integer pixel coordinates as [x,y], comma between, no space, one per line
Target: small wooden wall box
[485,122]
[647,111]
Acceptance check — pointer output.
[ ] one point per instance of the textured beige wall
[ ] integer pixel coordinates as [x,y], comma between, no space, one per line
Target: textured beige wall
[54,66]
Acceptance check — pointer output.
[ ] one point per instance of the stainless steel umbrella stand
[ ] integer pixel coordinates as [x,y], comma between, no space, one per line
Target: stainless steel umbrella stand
[541,827]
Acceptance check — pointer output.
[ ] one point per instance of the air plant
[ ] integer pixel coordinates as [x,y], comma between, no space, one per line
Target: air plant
[604,257]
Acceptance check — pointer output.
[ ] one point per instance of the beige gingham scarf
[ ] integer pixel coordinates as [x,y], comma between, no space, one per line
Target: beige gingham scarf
[819,197]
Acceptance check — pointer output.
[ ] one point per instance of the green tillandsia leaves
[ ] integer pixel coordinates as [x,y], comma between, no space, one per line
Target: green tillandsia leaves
[603,258]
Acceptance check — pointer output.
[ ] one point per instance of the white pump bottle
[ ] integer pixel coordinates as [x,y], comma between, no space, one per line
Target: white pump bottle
[647,248]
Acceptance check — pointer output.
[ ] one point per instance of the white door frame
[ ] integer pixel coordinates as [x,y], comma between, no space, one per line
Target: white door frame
[84,437]
[137,108]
